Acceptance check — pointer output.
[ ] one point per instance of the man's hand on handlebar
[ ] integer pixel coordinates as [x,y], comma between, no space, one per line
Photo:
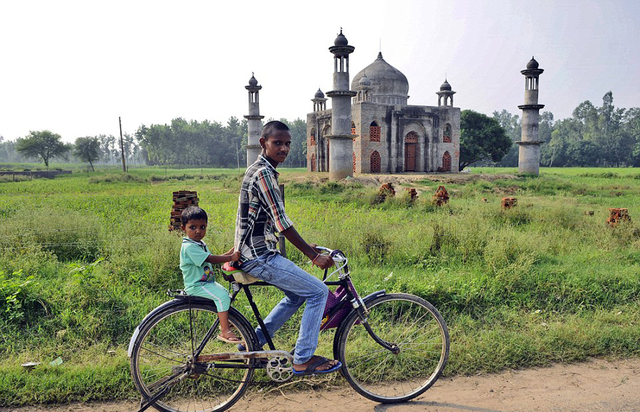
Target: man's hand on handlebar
[323,261]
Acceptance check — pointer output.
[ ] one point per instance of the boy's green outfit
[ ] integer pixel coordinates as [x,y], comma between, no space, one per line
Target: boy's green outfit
[198,276]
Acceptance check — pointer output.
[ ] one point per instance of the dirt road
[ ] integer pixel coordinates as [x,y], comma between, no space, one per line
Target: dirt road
[586,387]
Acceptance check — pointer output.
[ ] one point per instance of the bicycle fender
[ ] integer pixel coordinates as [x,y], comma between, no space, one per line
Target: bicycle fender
[164,306]
[374,295]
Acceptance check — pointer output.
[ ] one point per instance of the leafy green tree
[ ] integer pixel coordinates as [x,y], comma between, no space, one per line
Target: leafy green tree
[513,128]
[87,149]
[44,145]
[481,138]
[631,128]
[298,153]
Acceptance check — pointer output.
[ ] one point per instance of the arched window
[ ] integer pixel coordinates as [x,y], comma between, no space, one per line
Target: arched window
[375,162]
[374,132]
[354,162]
[353,129]
[446,135]
[313,137]
[446,162]
[313,162]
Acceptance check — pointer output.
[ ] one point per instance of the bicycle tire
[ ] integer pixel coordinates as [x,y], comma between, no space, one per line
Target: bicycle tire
[421,336]
[163,346]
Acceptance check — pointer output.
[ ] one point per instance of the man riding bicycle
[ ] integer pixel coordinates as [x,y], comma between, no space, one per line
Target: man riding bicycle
[260,216]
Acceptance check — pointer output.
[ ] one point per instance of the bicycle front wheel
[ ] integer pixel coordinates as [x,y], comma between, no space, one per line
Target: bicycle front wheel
[162,358]
[417,349]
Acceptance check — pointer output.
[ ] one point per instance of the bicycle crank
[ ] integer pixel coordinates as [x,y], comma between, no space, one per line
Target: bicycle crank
[280,368]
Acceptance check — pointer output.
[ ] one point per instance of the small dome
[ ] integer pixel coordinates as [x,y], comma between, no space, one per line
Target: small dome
[445,87]
[253,81]
[319,94]
[341,40]
[364,81]
[533,64]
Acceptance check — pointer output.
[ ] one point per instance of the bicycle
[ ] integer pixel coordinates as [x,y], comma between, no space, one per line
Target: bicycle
[393,347]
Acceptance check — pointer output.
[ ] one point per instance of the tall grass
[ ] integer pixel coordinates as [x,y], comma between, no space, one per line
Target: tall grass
[84,258]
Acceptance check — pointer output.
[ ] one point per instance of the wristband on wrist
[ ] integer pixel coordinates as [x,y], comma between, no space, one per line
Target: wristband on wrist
[314,259]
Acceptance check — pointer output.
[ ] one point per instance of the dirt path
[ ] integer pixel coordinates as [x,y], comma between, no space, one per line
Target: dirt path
[586,387]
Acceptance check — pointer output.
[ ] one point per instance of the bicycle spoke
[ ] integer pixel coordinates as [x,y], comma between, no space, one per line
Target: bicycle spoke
[383,375]
[173,334]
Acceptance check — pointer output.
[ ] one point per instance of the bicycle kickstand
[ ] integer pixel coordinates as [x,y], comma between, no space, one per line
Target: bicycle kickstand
[152,400]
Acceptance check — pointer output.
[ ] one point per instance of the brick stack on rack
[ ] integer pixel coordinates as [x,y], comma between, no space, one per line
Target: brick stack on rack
[441,196]
[181,200]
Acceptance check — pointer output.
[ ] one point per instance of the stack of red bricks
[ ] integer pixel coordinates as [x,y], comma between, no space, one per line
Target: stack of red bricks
[386,190]
[441,196]
[617,215]
[181,200]
[413,194]
[509,202]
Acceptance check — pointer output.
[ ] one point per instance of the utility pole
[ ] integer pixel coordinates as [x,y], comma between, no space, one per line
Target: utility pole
[124,166]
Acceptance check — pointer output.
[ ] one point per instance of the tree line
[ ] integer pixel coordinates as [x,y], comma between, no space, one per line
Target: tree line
[181,142]
[603,136]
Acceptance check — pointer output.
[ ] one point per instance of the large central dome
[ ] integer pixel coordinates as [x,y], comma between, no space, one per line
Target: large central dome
[388,84]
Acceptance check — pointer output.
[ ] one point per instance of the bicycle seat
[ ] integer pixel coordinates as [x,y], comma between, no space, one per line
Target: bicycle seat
[239,276]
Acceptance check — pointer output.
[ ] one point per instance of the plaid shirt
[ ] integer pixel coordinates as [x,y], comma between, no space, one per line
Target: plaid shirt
[260,212]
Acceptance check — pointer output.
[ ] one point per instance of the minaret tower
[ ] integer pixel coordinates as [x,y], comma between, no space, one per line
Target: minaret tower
[529,154]
[319,101]
[254,121]
[341,140]
[447,93]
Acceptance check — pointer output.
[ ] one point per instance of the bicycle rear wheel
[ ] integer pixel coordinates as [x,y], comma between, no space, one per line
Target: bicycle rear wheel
[163,350]
[420,341]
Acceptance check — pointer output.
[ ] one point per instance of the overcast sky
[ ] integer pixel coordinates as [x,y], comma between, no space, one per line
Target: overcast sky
[74,67]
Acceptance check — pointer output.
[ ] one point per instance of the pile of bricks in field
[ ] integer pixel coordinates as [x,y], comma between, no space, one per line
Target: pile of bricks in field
[617,215]
[181,200]
[509,202]
[413,194]
[441,196]
[386,190]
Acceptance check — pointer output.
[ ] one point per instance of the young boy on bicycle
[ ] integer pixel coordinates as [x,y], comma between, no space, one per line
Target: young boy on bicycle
[197,273]
[260,215]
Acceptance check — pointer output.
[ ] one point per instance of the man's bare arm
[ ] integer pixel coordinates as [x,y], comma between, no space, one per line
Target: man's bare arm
[322,261]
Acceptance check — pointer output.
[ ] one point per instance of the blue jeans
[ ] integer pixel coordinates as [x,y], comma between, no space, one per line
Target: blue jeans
[297,286]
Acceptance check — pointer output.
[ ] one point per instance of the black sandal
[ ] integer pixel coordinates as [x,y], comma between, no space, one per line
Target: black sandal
[319,361]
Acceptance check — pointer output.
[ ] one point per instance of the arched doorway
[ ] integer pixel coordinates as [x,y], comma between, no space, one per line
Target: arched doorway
[410,149]
[375,162]
[446,162]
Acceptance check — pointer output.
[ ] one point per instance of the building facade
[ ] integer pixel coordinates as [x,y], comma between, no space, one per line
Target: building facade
[389,135]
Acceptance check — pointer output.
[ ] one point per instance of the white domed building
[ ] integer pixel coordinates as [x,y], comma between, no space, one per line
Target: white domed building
[389,135]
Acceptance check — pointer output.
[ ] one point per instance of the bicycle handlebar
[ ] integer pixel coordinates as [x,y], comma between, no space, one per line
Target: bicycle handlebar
[340,261]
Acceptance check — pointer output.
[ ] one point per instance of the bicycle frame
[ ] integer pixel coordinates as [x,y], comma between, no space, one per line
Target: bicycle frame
[351,297]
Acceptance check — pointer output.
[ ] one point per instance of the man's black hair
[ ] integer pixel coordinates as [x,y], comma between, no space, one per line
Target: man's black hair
[193,213]
[272,127]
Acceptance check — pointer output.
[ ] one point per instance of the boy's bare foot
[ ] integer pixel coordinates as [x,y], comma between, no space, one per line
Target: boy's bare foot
[229,337]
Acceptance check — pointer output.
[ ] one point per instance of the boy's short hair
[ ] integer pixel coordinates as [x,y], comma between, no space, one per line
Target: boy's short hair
[193,213]
[271,127]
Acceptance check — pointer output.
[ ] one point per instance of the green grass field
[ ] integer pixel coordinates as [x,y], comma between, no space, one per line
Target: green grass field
[84,257]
